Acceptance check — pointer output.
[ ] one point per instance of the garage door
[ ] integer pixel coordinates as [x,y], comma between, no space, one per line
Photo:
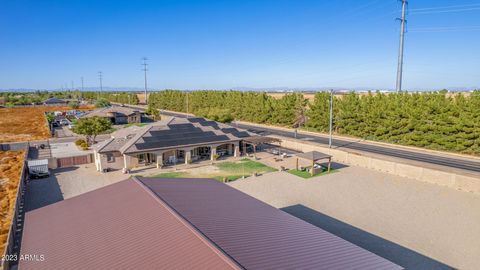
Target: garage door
[72,161]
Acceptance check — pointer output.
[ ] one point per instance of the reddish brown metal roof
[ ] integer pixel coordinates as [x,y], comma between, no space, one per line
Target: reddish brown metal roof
[256,235]
[121,226]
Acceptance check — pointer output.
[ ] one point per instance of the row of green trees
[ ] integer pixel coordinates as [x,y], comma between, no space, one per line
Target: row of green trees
[27,98]
[118,97]
[434,120]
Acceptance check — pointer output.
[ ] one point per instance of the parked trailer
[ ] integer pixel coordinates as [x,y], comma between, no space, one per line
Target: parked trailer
[38,168]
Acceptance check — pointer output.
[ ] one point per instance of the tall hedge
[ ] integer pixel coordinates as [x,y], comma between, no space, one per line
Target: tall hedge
[434,120]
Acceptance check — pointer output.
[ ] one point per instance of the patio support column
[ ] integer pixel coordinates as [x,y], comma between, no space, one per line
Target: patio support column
[213,152]
[236,151]
[329,163]
[188,156]
[125,162]
[159,160]
[229,149]
[313,165]
[97,160]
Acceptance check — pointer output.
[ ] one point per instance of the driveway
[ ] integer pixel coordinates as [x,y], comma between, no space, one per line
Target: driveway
[67,149]
[65,183]
[414,224]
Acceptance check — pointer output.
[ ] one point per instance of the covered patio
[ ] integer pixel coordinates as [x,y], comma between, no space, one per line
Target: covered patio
[256,141]
[314,156]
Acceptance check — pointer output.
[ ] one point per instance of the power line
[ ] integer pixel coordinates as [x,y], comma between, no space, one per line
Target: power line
[145,68]
[445,11]
[444,7]
[400,50]
[444,29]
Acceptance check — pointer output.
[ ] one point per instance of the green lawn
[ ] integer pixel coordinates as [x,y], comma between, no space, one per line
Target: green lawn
[244,166]
[306,174]
[229,170]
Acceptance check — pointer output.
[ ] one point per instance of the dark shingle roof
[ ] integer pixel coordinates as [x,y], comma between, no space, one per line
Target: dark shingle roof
[313,155]
[54,101]
[181,132]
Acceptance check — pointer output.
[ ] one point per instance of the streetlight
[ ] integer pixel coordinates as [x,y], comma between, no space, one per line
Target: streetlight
[331,119]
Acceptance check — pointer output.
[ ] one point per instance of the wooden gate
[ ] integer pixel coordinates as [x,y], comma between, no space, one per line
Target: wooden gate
[72,161]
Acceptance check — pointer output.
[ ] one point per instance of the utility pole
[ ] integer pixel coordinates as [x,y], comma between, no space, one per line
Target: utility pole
[100,77]
[145,65]
[331,119]
[400,52]
[81,79]
[73,88]
[187,103]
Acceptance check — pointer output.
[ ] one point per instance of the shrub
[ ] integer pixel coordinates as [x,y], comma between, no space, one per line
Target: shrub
[80,142]
[102,103]
[74,104]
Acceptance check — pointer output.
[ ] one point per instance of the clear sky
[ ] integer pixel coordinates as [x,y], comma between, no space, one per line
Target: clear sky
[223,44]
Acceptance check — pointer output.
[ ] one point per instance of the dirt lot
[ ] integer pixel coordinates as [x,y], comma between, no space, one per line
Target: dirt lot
[10,170]
[25,124]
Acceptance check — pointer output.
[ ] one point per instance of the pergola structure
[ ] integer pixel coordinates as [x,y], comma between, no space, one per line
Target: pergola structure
[314,156]
[255,141]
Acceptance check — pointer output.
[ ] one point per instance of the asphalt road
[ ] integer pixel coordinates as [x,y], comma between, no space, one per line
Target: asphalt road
[435,159]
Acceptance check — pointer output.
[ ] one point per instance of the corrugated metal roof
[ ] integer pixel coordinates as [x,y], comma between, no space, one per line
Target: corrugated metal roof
[256,235]
[121,226]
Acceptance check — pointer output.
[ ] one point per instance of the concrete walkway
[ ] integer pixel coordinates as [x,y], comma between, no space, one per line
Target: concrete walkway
[414,224]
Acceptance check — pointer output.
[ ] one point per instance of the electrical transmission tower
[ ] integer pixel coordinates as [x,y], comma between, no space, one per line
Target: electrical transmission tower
[81,79]
[403,21]
[145,68]
[100,77]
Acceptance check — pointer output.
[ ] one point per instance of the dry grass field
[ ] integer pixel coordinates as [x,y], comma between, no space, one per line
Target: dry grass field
[10,170]
[25,124]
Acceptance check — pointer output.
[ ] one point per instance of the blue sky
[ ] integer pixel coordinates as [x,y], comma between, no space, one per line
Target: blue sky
[225,44]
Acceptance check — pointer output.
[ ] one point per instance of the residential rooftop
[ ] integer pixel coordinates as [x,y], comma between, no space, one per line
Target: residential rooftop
[181,224]
[107,111]
[176,132]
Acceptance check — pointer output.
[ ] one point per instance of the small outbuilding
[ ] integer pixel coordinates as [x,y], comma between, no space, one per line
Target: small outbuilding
[314,156]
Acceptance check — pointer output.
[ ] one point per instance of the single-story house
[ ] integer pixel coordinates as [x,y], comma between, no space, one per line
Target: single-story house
[178,140]
[118,115]
[55,102]
[148,223]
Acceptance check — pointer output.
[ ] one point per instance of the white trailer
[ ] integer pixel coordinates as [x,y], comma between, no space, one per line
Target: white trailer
[38,168]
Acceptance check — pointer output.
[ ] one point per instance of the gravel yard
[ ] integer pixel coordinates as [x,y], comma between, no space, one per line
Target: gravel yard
[414,224]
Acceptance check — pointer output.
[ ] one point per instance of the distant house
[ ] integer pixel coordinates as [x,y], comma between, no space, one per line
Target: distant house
[118,115]
[55,102]
[148,223]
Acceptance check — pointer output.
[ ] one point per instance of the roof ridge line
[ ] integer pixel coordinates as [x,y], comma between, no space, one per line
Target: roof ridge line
[137,137]
[109,140]
[214,247]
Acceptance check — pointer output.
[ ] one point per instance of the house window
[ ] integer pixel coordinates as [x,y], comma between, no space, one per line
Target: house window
[110,158]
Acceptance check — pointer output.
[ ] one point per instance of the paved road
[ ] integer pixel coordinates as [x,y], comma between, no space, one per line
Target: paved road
[435,159]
